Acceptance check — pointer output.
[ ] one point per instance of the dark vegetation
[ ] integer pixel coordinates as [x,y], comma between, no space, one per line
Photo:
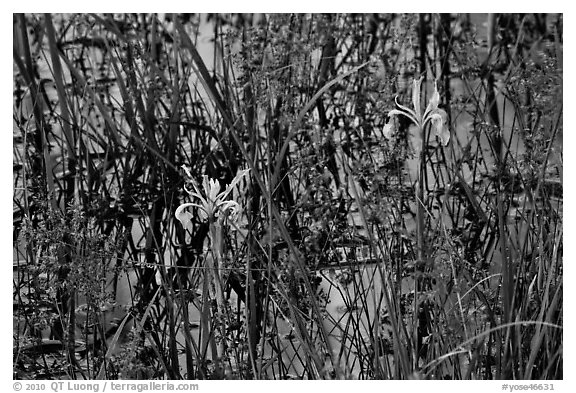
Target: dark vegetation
[455,276]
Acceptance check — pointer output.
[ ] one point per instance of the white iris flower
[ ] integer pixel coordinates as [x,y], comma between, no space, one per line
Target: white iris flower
[212,203]
[433,114]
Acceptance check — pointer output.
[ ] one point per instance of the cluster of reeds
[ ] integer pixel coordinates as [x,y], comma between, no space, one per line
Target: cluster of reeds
[439,231]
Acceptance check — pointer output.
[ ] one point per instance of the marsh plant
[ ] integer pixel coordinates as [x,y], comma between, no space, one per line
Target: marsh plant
[72,261]
[217,212]
[288,196]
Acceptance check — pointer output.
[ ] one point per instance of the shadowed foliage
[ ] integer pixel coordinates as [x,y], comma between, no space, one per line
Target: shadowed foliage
[362,246]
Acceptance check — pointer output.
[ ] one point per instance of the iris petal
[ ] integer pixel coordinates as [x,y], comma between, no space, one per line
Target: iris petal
[183,216]
[439,121]
[416,96]
[214,190]
[206,185]
[229,208]
[235,181]
[389,130]
[433,103]
[402,110]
